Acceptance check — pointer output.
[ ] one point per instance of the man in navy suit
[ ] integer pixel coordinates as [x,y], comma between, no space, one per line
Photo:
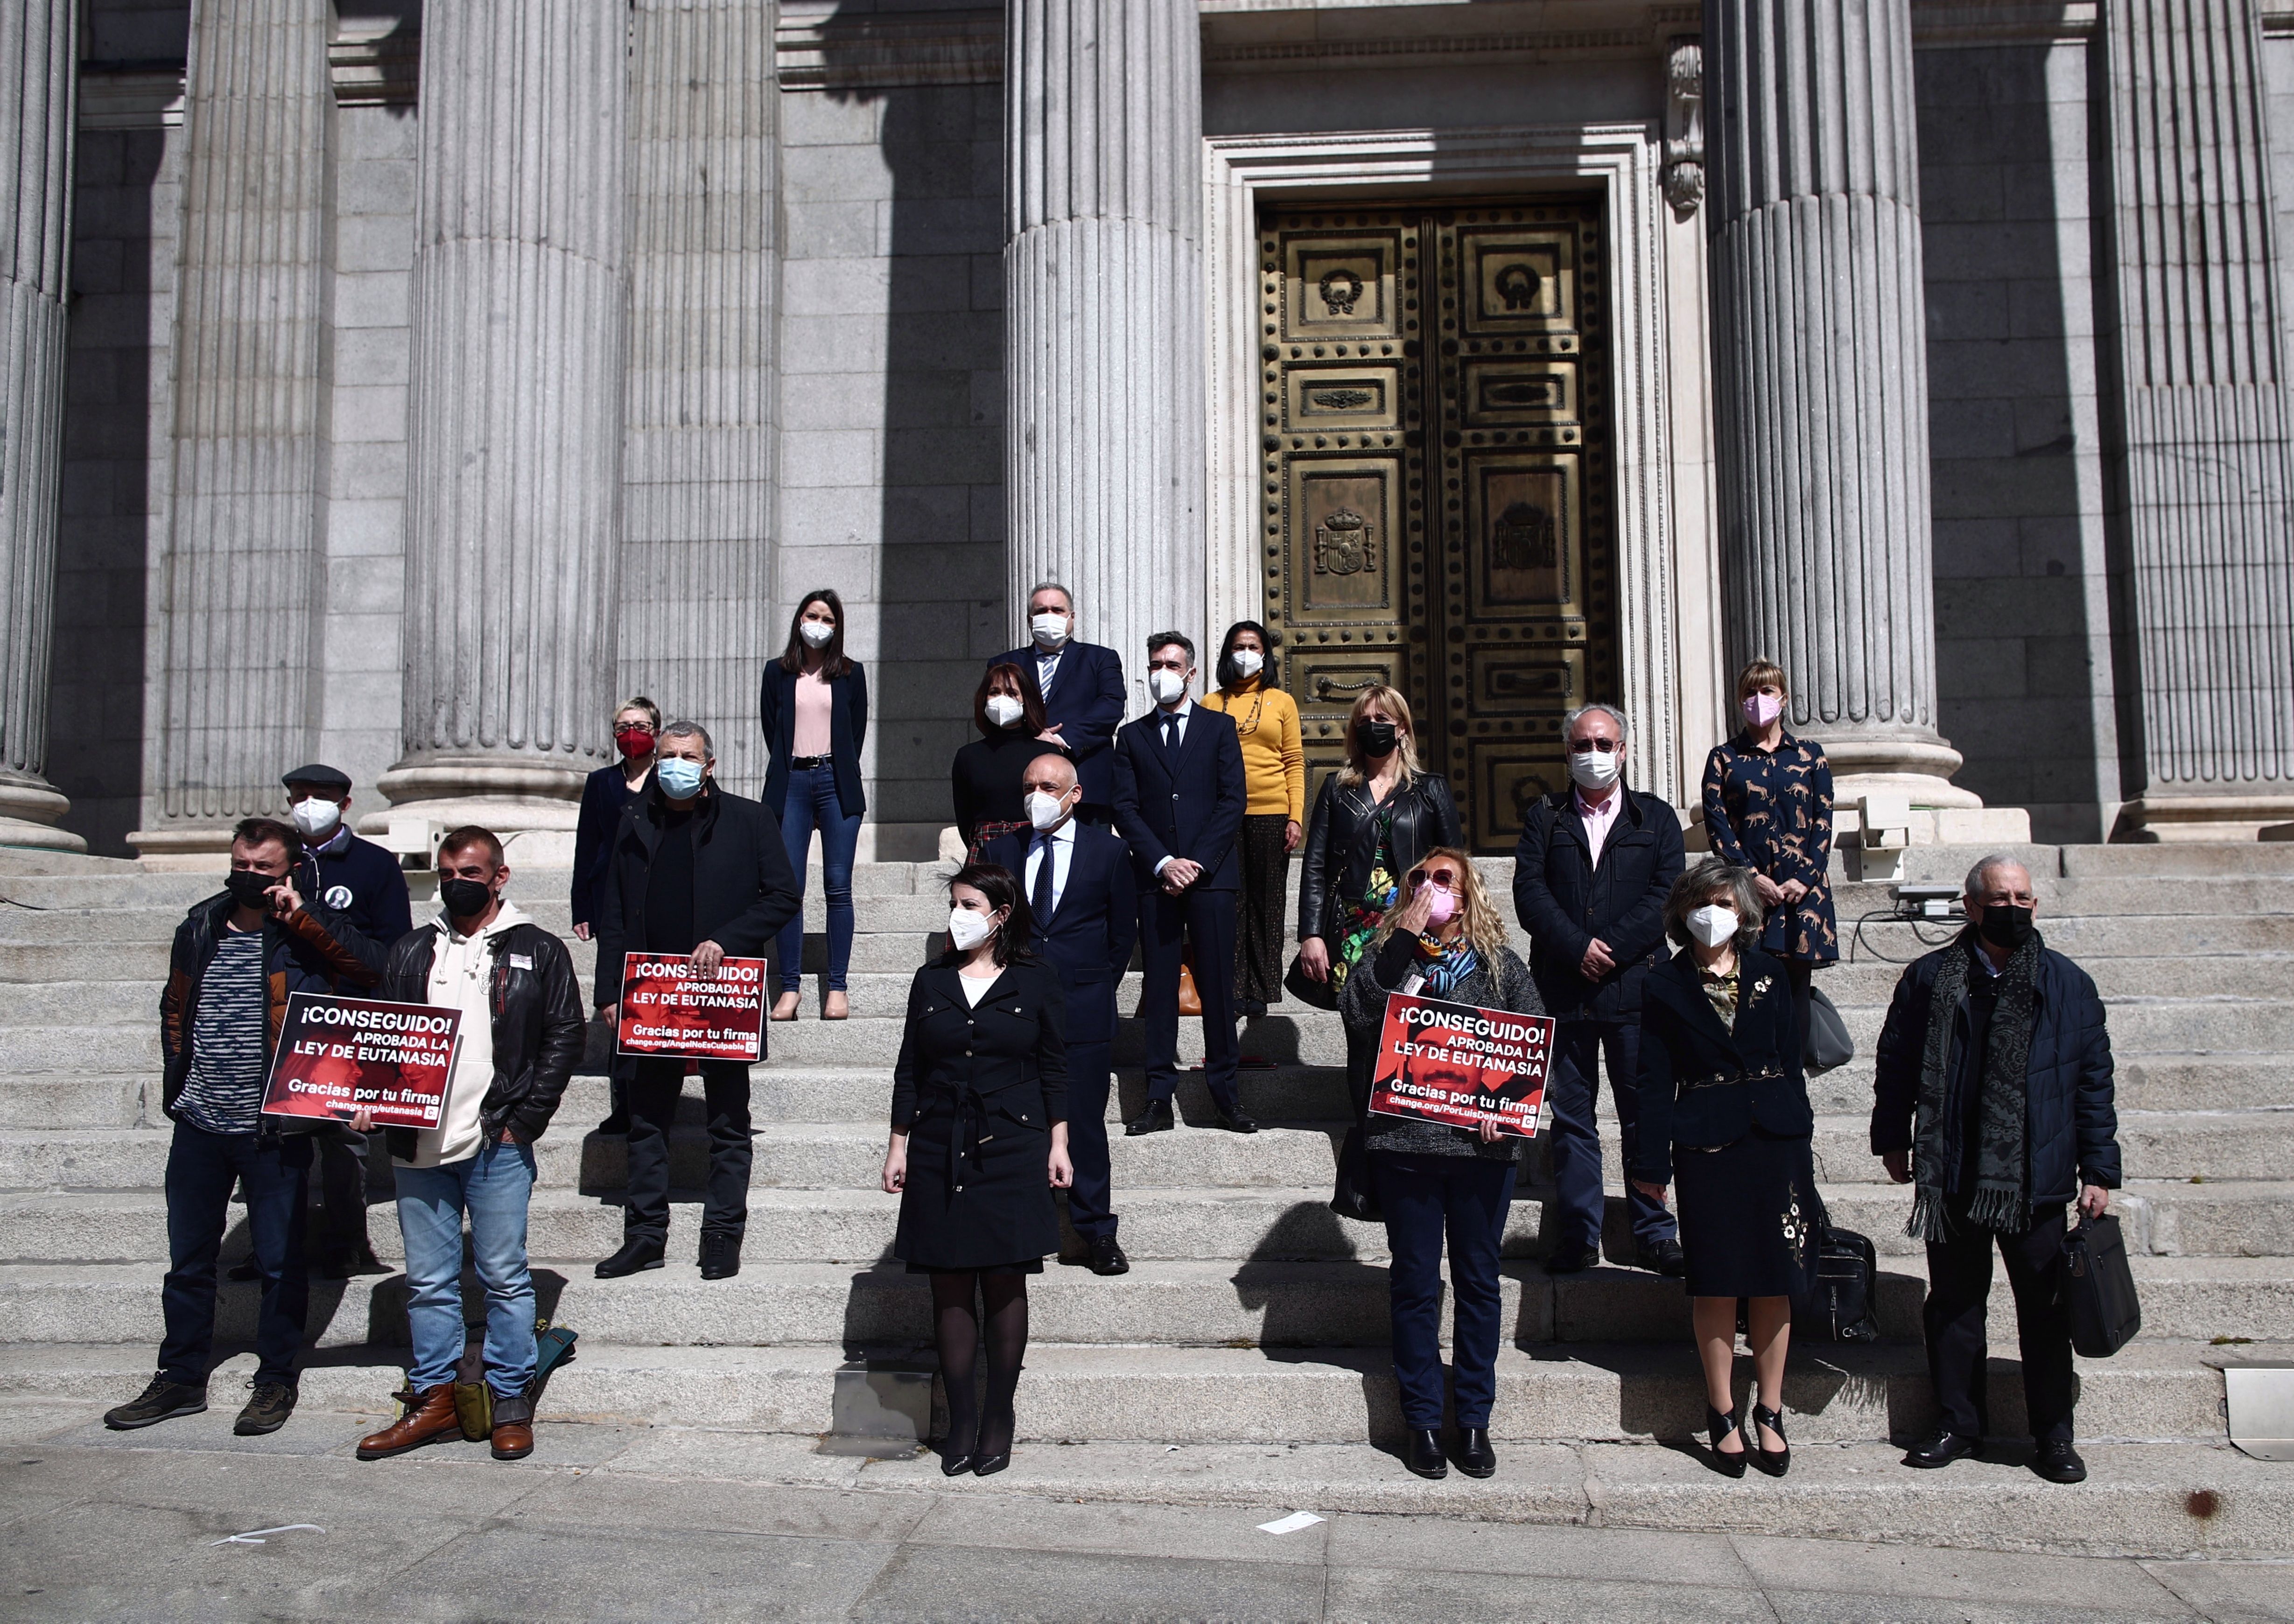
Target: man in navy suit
[1084,902]
[1084,696]
[1178,804]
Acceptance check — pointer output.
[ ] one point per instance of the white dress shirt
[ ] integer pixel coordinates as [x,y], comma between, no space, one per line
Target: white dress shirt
[1061,841]
[1186,707]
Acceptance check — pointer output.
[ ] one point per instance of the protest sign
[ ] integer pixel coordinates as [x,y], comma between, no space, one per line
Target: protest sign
[670,1008]
[340,1055]
[1458,1064]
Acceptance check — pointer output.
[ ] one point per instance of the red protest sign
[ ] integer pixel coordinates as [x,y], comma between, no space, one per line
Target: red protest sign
[669,1008]
[1458,1064]
[336,1055]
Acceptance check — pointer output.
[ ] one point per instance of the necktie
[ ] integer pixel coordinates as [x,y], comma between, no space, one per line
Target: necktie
[1170,730]
[1047,666]
[1041,902]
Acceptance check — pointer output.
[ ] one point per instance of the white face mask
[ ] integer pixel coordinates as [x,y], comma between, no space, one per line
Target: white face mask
[1249,662]
[1003,710]
[1712,924]
[966,929]
[316,818]
[1051,630]
[1596,769]
[1166,685]
[815,633]
[1046,811]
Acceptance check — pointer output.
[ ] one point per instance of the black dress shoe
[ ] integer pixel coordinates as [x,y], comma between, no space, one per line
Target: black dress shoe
[1423,1453]
[633,1257]
[1476,1459]
[1941,1448]
[952,1464]
[1573,1259]
[245,1268]
[720,1256]
[1663,1257]
[2056,1461]
[1155,1119]
[1238,1123]
[1249,1009]
[1107,1257]
[989,1465]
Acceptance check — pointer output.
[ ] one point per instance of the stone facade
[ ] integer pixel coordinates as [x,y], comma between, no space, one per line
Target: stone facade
[796,369]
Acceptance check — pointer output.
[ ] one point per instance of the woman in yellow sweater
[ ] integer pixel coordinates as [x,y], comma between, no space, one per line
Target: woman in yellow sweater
[1275,770]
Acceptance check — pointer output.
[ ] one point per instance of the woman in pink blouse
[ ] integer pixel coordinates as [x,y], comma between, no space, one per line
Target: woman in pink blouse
[815,709]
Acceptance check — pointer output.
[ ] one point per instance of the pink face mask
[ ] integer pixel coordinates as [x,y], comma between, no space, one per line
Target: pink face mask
[1761,708]
[1443,904]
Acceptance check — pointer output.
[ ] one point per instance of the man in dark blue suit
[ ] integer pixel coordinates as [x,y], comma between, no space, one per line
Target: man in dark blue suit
[1179,797]
[1085,901]
[1084,696]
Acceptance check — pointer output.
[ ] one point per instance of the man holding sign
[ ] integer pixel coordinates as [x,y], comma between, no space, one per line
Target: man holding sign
[1443,946]
[513,985]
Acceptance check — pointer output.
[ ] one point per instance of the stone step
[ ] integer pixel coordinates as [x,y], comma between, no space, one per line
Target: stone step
[2190,975]
[1189,1304]
[1071,1392]
[2207,858]
[71,1101]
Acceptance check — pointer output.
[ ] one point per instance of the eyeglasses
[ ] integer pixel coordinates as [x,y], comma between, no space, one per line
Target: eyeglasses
[1586,747]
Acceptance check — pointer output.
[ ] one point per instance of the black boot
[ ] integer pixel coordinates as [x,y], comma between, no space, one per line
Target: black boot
[1423,1453]
[1476,1457]
[1720,1427]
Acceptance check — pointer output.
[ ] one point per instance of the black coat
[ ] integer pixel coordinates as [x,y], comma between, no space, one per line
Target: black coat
[538,1027]
[1564,900]
[363,883]
[1707,1085]
[1086,705]
[1189,809]
[742,888]
[977,1089]
[984,779]
[848,730]
[606,795]
[2071,1116]
[1090,936]
[1342,843]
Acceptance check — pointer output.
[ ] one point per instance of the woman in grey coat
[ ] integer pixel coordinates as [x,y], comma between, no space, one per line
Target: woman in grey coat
[1445,940]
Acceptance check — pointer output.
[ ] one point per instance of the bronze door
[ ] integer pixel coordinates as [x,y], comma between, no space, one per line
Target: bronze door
[1436,490]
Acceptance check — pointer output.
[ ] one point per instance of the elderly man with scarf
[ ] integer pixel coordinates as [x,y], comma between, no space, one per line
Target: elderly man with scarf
[1994,1091]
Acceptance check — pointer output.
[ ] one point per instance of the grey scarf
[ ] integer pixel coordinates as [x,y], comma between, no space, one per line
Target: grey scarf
[1999,1202]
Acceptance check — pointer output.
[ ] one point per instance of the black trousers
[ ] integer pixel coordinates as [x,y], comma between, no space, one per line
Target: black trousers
[1166,922]
[654,1092]
[202,1169]
[1091,1199]
[1260,919]
[1959,1280]
[341,1197]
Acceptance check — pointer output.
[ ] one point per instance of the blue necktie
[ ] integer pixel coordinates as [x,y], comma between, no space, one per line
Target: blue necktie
[1041,902]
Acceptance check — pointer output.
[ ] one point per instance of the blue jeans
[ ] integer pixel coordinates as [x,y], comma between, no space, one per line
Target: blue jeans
[812,803]
[492,1187]
[1424,1199]
[202,1168]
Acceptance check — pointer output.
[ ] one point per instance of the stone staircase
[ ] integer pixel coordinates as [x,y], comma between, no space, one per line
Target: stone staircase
[1252,1316]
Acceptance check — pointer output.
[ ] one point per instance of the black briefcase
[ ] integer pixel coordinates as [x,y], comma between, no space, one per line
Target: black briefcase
[1840,1308]
[2099,1289]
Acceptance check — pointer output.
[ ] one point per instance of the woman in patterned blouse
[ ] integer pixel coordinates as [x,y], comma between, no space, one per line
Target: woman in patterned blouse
[1768,807]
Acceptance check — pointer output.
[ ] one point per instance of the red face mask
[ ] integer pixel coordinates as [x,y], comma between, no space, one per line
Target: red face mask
[635,741]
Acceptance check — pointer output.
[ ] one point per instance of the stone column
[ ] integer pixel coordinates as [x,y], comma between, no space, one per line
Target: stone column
[1103,279]
[1820,378]
[696,618]
[513,517]
[2202,423]
[39,60]
[240,594]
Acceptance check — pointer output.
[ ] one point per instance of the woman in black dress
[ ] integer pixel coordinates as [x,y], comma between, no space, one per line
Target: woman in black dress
[1725,1113]
[979,1096]
[1008,710]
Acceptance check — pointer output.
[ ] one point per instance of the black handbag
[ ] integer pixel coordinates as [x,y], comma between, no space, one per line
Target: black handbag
[1354,1195]
[1307,990]
[1826,1044]
[1840,1306]
[2099,1289]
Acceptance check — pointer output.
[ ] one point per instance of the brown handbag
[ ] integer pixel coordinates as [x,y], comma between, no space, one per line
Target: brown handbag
[1191,1001]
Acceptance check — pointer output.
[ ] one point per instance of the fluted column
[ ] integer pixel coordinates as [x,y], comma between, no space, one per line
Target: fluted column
[1103,276]
[697,621]
[2203,419]
[514,484]
[1820,397]
[38,76]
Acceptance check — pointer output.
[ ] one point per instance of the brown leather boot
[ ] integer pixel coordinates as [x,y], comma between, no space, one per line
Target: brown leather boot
[428,1417]
[512,1434]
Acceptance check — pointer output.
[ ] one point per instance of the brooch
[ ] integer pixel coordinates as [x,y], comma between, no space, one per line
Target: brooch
[1762,985]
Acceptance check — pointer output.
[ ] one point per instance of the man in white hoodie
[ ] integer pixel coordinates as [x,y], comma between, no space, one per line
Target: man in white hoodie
[521,1034]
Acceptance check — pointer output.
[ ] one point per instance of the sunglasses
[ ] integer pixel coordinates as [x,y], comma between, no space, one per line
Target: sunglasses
[1446,878]
[1586,747]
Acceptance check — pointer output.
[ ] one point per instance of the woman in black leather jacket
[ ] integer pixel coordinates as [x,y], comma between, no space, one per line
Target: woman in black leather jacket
[1375,817]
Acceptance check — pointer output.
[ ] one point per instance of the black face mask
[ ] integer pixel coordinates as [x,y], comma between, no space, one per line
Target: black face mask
[2005,925]
[249,889]
[1375,737]
[465,898]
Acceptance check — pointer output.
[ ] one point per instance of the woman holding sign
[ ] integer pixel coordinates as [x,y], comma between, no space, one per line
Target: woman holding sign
[1441,940]
[981,1090]
[1725,1111]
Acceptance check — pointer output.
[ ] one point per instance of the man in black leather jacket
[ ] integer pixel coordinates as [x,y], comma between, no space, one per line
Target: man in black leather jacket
[521,1034]
[1590,875]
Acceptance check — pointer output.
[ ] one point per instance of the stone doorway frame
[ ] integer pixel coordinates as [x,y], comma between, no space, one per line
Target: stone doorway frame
[1665,591]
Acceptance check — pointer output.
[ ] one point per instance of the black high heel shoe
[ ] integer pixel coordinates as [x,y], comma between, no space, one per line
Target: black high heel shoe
[951,1463]
[1776,1463]
[1720,1427]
